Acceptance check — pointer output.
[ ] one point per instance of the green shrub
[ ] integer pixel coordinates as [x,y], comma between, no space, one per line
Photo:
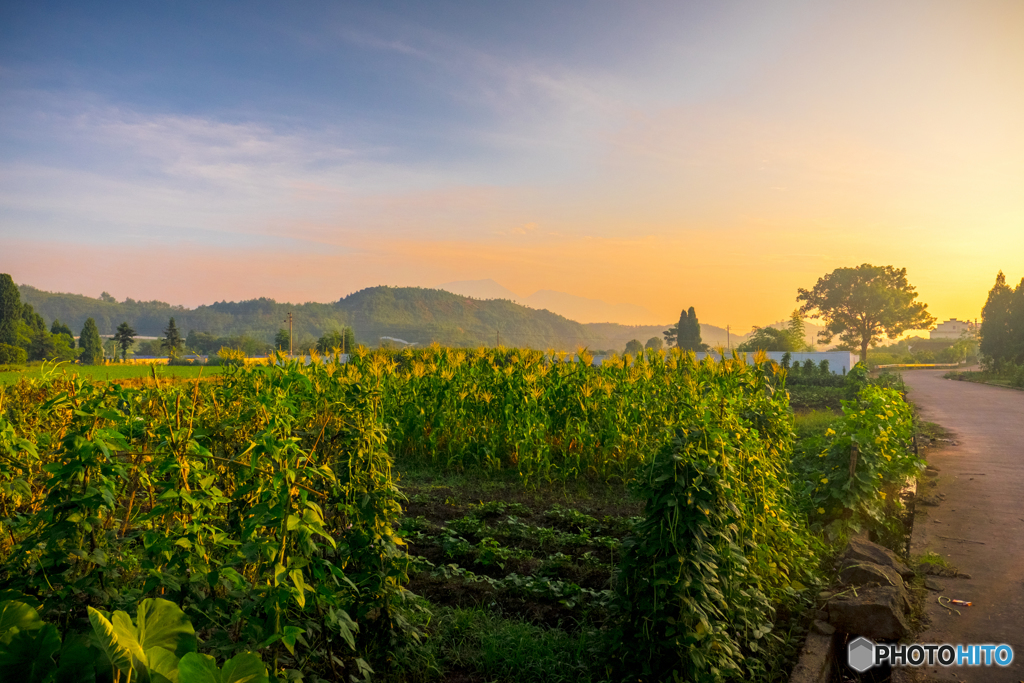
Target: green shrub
[852,464]
[12,355]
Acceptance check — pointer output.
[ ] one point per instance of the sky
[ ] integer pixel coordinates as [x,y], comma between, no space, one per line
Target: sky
[666,154]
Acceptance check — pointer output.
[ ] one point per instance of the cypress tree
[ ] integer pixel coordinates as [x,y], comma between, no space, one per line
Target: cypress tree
[688,336]
[10,310]
[995,322]
[90,343]
[172,339]
[125,337]
[1015,341]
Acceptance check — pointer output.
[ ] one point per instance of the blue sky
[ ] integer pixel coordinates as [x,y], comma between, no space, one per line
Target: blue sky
[306,150]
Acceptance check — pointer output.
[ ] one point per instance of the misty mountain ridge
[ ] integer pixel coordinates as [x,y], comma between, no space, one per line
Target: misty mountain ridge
[578,308]
[416,314]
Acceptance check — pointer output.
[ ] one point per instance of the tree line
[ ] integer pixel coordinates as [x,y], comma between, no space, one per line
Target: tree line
[24,337]
[860,305]
[1002,325]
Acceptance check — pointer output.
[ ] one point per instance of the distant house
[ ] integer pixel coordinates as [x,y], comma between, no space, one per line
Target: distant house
[952,329]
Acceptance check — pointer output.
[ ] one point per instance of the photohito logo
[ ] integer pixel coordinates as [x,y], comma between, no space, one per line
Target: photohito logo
[862,654]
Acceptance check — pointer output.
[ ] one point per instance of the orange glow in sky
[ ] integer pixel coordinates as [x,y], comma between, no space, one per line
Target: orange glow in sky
[719,158]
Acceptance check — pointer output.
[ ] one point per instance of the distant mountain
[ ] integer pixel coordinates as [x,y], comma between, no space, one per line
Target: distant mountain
[480,289]
[259,318]
[411,313]
[571,306]
[589,310]
[433,315]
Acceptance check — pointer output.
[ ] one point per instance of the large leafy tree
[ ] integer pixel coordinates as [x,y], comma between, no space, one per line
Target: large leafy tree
[10,310]
[863,304]
[124,337]
[282,340]
[59,328]
[172,341]
[634,347]
[34,337]
[769,339]
[90,343]
[344,340]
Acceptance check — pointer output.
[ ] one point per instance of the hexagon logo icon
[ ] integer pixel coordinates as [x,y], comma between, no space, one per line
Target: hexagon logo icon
[860,654]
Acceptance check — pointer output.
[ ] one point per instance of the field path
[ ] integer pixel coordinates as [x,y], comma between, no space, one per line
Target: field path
[979,524]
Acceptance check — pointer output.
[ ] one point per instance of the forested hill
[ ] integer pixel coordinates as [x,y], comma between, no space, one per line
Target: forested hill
[428,315]
[414,314]
[259,318]
[410,313]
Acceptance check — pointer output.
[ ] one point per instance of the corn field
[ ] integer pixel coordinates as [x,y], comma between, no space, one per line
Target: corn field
[265,502]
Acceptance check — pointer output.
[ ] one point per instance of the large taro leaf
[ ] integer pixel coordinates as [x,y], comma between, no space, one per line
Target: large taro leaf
[17,616]
[161,623]
[107,640]
[163,665]
[78,659]
[154,642]
[28,656]
[242,668]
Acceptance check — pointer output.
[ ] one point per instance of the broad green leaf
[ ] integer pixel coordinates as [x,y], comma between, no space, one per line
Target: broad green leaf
[28,657]
[197,668]
[290,634]
[127,637]
[300,584]
[106,638]
[163,665]
[279,570]
[243,668]
[77,660]
[17,616]
[161,623]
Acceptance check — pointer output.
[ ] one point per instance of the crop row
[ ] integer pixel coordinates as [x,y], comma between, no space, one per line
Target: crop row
[264,503]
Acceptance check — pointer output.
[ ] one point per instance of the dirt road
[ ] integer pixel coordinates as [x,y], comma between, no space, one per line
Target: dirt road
[979,524]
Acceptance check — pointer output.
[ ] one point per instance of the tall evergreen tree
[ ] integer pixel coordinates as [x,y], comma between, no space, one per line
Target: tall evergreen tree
[995,322]
[686,333]
[90,343]
[1016,325]
[796,331]
[688,336]
[10,310]
[125,337]
[171,342]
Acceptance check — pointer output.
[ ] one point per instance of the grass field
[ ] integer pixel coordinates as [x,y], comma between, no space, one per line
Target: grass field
[11,374]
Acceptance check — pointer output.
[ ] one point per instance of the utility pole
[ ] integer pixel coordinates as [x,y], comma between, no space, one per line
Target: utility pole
[291,344]
[728,338]
[497,339]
